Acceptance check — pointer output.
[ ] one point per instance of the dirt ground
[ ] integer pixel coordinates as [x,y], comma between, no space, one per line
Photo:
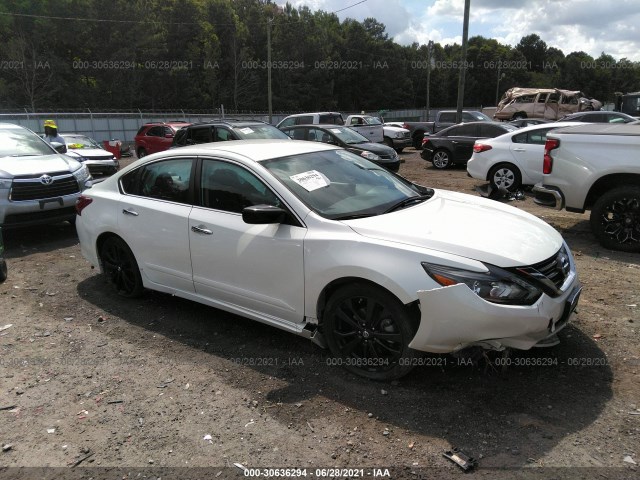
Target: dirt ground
[96,386]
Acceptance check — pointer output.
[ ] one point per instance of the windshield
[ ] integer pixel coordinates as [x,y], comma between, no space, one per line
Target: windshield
[22,143]
[372,121]
[80,141]
[260,132]
[340,185]
[481,117]
[348,136]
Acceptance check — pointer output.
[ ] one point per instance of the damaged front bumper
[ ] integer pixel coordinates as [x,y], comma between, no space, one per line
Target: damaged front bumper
[454,318]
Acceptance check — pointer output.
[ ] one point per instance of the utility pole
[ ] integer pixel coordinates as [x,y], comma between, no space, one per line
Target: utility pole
[463,67]
[429,60]
[269,20]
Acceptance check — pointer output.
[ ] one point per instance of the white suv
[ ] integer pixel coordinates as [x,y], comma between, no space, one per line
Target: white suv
[37,184]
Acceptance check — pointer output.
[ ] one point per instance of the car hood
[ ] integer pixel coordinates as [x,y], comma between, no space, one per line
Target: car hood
[13,166]
[467,226]
[376,148]
[92,152]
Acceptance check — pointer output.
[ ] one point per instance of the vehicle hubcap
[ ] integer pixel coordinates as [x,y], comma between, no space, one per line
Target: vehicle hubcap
[621,220]
[440,160]
[504,178]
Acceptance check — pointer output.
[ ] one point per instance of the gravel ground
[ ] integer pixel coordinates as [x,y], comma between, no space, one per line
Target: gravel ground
[97,386]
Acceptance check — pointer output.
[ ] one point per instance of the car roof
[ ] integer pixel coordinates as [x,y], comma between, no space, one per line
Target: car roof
[595,112]
[542,126]
[256,150]
[317,125]
[229,123]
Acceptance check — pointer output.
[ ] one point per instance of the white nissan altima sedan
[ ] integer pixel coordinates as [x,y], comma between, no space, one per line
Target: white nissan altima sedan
[323,243]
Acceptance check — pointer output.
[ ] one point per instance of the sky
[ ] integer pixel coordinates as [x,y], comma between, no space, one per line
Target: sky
[592,26]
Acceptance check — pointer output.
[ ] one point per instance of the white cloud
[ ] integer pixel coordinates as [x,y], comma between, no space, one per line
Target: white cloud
[592,26]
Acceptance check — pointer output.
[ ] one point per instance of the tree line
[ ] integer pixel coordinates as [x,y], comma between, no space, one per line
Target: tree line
[201,54]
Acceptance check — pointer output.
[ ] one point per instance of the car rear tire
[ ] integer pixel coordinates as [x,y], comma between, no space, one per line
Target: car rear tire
[417,139]
[441,159]
[368,332]
[141,153]
[3,270]
[505,176]
[120,267]
[388,142]
[615,219]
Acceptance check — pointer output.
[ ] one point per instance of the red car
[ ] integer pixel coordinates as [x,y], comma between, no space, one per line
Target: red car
[156,137]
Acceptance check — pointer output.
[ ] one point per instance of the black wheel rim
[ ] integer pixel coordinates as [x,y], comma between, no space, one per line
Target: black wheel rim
[366,331]
[621,220]
[119,268]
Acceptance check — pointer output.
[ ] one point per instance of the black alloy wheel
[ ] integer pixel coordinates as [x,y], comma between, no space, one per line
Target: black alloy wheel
[615,219]
[120,267]
[368,332]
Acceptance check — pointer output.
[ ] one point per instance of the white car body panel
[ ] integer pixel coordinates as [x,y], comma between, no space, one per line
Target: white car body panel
[276,273]
[160,261]
[240,264]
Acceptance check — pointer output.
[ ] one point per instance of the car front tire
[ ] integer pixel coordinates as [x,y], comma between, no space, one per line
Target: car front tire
[368,331]
[141,153]
[615,219]
[120,267]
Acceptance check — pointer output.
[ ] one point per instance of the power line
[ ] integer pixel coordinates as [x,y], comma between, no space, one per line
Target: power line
[345,8]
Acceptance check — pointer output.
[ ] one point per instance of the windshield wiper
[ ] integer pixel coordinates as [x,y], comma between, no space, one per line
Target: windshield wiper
[406,202]
[353,217]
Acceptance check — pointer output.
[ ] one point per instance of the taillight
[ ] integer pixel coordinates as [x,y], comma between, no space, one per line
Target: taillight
[481,147]
[82,203]
[547,164]
[404,125]
[425,140]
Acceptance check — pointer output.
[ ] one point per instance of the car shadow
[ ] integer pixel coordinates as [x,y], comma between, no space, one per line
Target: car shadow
[510,408]
[22,241]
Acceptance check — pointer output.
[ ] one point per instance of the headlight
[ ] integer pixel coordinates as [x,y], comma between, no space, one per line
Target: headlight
[399,135]
[82,174]
[369,155]
[5,183]
[496,285]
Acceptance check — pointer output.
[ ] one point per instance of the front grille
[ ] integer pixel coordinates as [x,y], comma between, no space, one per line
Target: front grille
[42,216]
[407,134]
[33,189]
[549,274]
[552,268]
[101,169]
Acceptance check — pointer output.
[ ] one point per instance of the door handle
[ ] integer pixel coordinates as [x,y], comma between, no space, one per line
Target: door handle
[129,211]
[201,229]
[519,150]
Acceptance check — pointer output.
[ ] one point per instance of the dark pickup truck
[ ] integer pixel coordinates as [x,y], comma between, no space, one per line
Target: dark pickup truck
[444,119]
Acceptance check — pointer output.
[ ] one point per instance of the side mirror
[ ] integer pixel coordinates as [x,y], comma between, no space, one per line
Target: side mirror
[263,214]
[59,147]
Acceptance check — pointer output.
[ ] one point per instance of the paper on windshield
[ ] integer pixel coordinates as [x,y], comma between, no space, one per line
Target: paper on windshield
[334,130]
[311,180]
[246,130]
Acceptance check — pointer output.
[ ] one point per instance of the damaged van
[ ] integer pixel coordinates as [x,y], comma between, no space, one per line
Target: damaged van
[547,103]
